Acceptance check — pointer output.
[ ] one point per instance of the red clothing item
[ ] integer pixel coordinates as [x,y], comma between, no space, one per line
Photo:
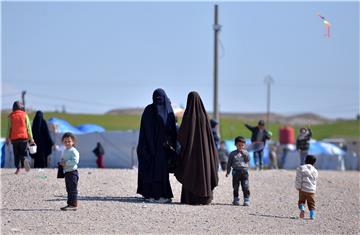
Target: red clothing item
[18,125]
[100,161]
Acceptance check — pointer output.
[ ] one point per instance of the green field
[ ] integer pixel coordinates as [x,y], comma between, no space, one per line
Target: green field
[109,122]
[230,127]
[348,129]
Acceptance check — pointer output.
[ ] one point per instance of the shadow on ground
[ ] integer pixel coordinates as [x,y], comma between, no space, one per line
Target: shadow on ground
[275,216]
[110,198]
[34,209]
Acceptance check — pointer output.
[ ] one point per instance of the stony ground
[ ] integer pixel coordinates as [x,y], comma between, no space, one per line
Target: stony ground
[109,205]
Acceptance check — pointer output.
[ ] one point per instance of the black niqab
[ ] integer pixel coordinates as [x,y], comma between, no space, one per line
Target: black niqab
[163,105]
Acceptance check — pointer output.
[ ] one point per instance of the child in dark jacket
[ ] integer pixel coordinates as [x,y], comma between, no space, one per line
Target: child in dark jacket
[239,162]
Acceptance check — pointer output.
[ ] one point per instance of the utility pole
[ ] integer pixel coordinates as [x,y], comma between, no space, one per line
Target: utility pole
[23,93]
[268,80]
[217,28]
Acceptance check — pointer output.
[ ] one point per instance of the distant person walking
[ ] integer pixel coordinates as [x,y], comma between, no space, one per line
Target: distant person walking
[223,156]
[198,161]
[305,183]
[303,143]
[99,153]
[214,123]
[43,141]
[259,135]
[273,157]
[284,153]
[157,133]
[19,134]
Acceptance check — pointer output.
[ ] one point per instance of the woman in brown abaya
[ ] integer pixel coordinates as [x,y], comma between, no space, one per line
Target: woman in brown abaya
[198,161]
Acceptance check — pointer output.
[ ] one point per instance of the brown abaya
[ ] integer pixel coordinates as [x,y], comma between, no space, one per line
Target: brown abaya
[198,161]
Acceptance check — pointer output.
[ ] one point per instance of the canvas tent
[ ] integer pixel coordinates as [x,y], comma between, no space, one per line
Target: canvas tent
[329,157]
[119,146]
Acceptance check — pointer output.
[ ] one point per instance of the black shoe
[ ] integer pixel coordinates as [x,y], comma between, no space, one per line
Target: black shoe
[68,208]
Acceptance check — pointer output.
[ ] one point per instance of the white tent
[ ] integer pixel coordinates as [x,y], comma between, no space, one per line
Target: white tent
[119,146]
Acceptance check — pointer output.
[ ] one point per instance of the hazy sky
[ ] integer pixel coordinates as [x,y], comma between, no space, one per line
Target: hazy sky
[93,56]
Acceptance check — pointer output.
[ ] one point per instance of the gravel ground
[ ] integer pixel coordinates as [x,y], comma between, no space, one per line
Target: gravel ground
[108,204]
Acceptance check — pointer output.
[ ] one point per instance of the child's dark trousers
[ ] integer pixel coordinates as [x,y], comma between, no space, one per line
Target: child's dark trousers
[19,148]
[71,182]
[241,177]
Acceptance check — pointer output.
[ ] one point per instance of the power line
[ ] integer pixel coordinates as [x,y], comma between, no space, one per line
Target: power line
[71,100]
[11,94]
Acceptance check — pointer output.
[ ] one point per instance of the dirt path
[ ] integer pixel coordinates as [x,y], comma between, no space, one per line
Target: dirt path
[109,205]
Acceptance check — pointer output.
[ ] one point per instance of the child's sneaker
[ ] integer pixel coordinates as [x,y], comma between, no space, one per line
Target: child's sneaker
[302,211]
[236,201]
[302,214]
[246,202]
[68,208]
[312,214]
[17,171]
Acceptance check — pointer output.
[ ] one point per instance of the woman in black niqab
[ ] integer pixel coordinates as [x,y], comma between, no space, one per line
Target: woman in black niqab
[198,161]
[42,139]
[157,128]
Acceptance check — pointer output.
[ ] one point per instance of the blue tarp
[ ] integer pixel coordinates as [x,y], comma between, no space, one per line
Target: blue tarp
[88,128]
[317,147]
[2,152]
[63,126]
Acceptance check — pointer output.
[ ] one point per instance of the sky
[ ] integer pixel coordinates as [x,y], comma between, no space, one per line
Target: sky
[91,57]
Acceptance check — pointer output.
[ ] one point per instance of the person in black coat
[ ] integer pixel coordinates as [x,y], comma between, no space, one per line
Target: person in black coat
[157,133]
[42,139]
